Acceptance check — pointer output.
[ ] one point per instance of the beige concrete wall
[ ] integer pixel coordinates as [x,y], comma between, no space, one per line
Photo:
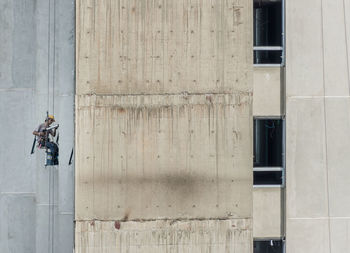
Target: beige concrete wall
[164,236]
[268,91]
[318,125]
[163,122]
[267,212]
[151,47]
[163,157]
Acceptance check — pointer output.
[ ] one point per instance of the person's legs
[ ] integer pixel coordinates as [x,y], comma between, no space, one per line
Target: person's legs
[54,150]
[56,154]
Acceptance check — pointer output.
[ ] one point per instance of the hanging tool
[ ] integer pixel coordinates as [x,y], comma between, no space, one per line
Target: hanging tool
[71,157]
[33,146]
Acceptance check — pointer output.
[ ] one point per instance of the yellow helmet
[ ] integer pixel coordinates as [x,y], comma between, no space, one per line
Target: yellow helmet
[51,117]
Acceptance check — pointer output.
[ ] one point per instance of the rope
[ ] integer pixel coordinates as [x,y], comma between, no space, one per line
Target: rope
[53,112]
[48,58]
[48,107]
[51,80]
[54,58]
[50,207]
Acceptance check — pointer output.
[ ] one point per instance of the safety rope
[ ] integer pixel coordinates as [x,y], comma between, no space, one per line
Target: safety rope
[53,112]
[48,107]
[54,58]
[51,80]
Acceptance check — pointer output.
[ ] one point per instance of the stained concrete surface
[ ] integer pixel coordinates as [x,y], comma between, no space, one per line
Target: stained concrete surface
[152,47]
[194,236]
[163,111]
[37,59]
[168,156]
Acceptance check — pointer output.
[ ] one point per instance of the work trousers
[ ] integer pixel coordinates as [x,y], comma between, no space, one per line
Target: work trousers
[54,151]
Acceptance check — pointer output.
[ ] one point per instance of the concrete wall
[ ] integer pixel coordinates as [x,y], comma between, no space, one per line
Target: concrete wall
[268,101]
[268,91]
[229,235]
[164,115]
[318,124]
[167,156]
[37,58]
[268,209]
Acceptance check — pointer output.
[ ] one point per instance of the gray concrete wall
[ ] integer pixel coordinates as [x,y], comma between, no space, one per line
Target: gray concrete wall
[164,126]
[318,125]
[37,59]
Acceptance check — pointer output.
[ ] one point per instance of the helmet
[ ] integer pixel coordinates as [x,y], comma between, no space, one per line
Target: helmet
[51,117]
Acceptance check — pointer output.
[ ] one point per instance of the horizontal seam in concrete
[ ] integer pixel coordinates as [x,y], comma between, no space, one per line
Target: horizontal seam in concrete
[166,219]
[17,193]
[65,213]
[15,89]
[65,95]
[309,97]
[319,218]
[167,94]
[160,244]
[56,95]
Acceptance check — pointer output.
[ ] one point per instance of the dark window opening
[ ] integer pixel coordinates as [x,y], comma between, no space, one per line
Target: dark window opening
[268,178]
[267,23]
[268,246]
[268,135]
[267,56]
[268,31]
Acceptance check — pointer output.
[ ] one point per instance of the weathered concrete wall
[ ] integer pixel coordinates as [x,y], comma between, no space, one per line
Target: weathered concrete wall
[152,47]
[268,91]
[164,156]
[318,126]
[164,116]
[164,236]
[37,59]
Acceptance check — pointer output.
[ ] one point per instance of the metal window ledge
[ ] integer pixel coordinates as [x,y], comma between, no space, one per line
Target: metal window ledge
[268,186]
[267,48]
[268,65]
[267,169]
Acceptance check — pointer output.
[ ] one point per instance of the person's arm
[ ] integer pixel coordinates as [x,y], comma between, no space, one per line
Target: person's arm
[36,133]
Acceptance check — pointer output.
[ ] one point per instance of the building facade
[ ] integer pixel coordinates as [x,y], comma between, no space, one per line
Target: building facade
[309,92]
[197,126]
[36,75]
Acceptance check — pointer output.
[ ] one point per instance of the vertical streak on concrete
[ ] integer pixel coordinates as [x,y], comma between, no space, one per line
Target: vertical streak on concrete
[31,45]
[163,119]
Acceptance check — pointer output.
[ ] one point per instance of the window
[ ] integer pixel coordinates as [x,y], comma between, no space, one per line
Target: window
[268,152]
[268,143]
[268,246]
[270,177]
[268,32]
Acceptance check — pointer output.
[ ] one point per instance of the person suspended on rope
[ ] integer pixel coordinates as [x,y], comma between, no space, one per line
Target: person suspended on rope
[43,133]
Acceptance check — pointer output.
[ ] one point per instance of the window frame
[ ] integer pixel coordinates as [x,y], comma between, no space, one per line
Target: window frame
[274,48]
[282,239]
[276,168]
